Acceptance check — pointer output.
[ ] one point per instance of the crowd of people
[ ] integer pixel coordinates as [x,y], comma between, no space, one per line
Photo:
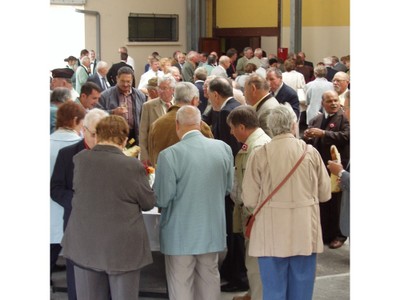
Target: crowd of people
[231,137]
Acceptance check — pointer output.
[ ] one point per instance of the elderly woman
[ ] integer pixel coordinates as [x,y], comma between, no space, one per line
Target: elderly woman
[287,232]
[68,127]
[106,236]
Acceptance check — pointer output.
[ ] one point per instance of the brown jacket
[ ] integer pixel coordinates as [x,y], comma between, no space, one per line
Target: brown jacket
[162,133]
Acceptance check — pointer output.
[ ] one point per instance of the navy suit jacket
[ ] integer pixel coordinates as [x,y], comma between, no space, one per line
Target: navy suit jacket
[204,101]
[96,79]
[112,73]
[220,127]
[61,180]
[287,94]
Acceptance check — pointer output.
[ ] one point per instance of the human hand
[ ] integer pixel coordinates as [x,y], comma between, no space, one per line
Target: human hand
[313,133]
[334,167]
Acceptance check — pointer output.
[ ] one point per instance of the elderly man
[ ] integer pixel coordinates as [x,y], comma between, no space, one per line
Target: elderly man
[153,109]
[126,101]
[314,90]
[257,94]
[341,82]
[281,91]
[220,70]
[245,127]
[189,66]
[82,73]
[61,180]
[242,62]
[90,95]
[192,230]
[100,76]
[162,132]
[62,77]
[325,130]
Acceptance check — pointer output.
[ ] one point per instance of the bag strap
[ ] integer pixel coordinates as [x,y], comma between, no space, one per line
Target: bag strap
[283,181]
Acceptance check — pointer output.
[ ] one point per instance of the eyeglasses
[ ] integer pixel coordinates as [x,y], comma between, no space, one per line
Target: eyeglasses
[92,134]
[338,80]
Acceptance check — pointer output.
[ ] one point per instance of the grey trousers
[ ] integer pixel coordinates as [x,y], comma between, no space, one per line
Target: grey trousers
[94,285]
[193,277]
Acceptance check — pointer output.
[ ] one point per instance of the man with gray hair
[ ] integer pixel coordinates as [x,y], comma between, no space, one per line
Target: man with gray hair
[223,65]
[82,73]
[100,76]
[154,109]
[192,230]
[189,66]
[314,90]
[257,94]
[162,132]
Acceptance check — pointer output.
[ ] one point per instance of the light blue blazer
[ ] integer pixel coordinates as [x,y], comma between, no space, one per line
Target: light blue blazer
[191,189]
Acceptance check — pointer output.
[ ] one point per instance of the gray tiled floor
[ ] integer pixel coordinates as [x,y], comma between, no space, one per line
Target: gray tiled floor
[332,280]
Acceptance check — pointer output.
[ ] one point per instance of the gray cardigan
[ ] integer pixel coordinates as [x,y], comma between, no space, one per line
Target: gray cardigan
[106,231]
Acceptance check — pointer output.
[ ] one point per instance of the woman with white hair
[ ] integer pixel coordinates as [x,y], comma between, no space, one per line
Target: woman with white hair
[286,234]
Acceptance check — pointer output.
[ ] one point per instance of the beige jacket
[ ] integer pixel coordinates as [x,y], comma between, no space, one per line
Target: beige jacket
[289,224]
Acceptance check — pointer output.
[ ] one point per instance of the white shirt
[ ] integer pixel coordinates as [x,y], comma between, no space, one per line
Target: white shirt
[131,62]
[144,79]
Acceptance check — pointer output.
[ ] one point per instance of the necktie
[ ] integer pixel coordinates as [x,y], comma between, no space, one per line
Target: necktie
[103,80]
[168,104]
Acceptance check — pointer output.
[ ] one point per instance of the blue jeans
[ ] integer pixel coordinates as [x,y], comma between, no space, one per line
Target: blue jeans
[288,278]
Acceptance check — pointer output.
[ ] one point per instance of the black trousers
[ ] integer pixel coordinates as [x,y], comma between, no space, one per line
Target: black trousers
[330,214]
[233,268]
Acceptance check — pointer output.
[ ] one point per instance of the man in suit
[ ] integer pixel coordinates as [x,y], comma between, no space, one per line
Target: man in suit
[124,100]
[327,129]
[100,76]
[341,82]
[61,180]
[220,94]
[93,62]
[162,132]
[245,127]
[189,66]
[330,71]
[153,109]
[337,65]
[82,73]
[306,62]
[257,94]
[192,230]
[200,76]
[113,72]
[220,70]
[281,91]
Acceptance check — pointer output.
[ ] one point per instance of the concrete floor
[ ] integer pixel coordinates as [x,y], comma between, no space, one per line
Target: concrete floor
[332,280]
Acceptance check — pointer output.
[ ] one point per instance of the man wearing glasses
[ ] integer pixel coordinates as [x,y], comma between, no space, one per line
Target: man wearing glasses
[341,82]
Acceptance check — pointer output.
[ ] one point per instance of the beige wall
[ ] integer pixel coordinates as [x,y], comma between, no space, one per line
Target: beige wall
[320,42]
[114,29]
